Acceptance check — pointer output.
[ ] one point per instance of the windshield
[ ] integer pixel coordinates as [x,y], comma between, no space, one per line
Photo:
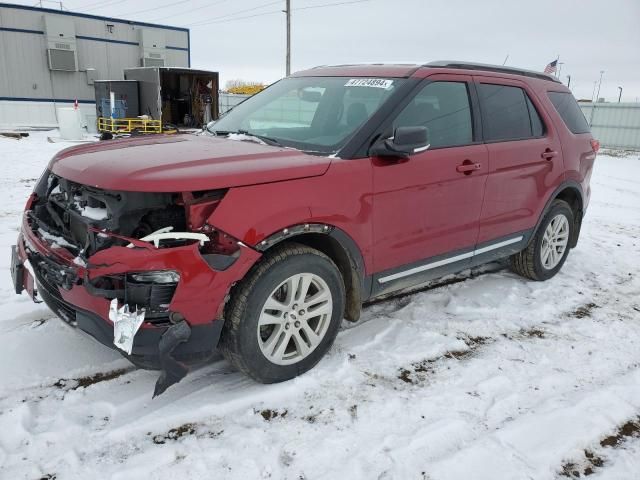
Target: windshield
[314,114]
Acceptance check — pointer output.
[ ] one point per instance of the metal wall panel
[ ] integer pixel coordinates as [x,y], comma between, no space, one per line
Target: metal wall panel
[615,125]
[107,45]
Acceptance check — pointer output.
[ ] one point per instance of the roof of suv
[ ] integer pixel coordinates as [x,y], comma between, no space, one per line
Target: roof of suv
[401,70]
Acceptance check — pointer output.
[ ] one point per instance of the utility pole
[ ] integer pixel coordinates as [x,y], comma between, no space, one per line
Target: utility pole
[620,94]
[599,84]
[288,13]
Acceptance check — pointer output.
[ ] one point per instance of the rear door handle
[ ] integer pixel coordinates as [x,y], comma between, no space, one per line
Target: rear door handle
[548,154]
[468,168]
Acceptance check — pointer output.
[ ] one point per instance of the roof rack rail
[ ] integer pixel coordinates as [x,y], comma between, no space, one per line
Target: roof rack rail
[491,68]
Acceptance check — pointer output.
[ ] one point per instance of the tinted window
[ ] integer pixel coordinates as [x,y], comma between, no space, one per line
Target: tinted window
[442,107]
[570,112]
[537,127]
[505,113]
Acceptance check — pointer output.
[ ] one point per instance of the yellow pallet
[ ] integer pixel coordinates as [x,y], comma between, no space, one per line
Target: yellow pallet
[129,125]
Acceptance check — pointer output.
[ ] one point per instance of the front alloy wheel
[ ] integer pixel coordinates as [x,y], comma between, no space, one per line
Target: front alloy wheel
[283,317]
[295,318]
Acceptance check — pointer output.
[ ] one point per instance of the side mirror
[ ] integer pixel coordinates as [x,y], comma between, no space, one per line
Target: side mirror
[405,142]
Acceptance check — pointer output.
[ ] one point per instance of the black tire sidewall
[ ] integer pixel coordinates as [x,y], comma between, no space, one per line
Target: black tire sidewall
[260,366]
[557,208]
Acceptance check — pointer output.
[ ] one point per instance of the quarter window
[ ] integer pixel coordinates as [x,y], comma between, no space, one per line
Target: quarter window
[570,111]
[442,107]
[508,113]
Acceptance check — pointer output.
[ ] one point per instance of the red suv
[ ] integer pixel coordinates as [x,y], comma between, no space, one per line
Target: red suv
[329,188]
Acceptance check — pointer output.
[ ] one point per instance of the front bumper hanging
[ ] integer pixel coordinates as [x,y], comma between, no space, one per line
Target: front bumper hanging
[188,336]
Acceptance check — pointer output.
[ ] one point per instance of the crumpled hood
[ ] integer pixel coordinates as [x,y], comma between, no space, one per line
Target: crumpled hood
[180,163]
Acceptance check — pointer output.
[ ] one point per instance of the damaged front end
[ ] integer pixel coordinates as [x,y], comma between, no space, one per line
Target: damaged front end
[141,272]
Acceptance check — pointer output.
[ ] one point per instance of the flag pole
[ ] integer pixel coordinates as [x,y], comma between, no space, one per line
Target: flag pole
[558,66]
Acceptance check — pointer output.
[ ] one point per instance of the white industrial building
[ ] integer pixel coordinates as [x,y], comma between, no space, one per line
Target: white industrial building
[50,58]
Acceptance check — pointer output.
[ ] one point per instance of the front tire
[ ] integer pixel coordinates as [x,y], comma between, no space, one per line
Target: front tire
[548,249]
[285,315]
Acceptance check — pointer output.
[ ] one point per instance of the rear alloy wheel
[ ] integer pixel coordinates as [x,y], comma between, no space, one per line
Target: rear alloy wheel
[549,247]
[283,317]
[554,242]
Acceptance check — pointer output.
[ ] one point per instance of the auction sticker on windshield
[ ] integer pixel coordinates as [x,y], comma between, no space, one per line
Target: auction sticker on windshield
[369,82]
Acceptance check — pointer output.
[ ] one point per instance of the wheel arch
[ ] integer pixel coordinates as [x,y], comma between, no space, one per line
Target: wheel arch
[571,192]
[337,245]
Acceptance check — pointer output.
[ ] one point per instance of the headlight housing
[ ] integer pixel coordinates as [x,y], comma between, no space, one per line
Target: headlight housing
[159,276]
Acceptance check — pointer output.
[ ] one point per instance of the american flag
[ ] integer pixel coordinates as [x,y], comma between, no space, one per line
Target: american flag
[551,67]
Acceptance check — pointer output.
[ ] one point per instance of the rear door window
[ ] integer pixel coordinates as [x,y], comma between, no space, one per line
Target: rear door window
[508,113]
[442,107]
[537,127]
[569,111]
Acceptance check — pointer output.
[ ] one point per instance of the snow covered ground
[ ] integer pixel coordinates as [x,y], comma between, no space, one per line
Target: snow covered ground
[493,377]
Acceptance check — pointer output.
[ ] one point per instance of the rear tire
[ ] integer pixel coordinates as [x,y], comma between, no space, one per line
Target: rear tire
[549,247]
[273,330]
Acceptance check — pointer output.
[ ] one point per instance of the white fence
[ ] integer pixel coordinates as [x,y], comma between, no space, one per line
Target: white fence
[615,125]
[227,101]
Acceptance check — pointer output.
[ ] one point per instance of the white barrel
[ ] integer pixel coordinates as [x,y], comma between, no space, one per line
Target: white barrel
[70,124]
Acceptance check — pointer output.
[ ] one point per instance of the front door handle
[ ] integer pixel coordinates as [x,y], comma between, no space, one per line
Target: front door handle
[468,167]
[548,154]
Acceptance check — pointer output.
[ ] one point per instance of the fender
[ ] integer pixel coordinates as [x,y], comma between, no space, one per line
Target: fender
[358,285]
[572,184]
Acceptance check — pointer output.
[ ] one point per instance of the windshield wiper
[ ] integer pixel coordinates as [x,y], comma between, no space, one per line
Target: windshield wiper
[268,140]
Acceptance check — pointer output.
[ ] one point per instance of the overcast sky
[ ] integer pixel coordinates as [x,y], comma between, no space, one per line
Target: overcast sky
[589,35]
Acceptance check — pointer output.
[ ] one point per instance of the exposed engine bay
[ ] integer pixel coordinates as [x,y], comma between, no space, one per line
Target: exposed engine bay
[87,222]
[76,214]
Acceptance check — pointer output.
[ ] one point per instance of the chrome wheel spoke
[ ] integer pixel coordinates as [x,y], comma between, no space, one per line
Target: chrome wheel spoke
[303,283]
[281,345]
[313,337]
[270,344]
[276,305]
[294,318]
[301,346]
[269,319]
[546,251]
[554,242]
[320,309]
[319,297]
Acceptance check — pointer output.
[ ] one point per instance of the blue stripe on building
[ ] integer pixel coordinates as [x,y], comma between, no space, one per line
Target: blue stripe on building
[44,100]
[108,40]
[21,30]
[94,39]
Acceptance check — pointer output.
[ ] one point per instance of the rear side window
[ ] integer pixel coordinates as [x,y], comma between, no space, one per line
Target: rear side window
[508,114]
[442,107]
[570,111]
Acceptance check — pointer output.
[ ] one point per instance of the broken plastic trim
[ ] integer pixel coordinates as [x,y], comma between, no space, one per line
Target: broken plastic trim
[166,233]
[172,370]
[126,324]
